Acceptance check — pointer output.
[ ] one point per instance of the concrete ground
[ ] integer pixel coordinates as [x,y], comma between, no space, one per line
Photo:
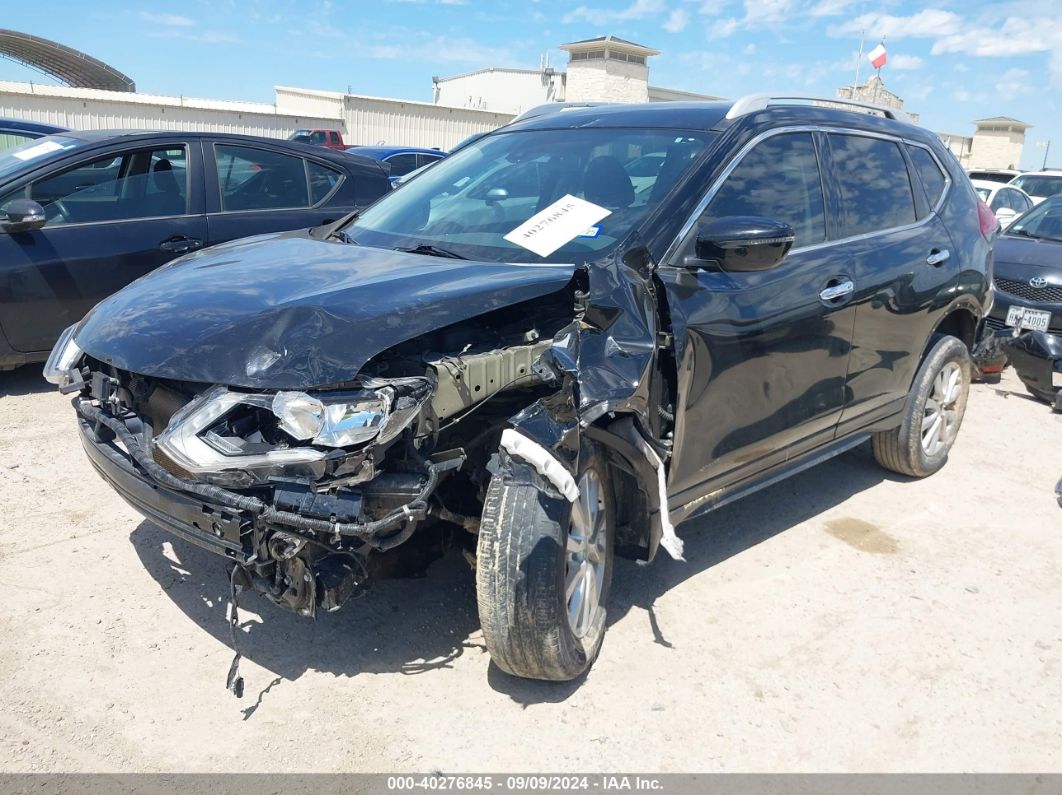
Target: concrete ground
[845,620]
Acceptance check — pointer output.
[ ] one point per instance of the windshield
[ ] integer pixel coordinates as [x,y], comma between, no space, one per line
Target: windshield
[468,204]
[1044,220]
[1039,186]
[35,152]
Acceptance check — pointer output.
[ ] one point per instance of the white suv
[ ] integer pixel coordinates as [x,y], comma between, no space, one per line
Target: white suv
[1039,184]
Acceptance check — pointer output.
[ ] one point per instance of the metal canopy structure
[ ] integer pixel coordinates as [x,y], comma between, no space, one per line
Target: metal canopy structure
[68,65]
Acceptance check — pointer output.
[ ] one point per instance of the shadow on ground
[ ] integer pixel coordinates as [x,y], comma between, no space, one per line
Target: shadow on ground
[414,626]
[25,380]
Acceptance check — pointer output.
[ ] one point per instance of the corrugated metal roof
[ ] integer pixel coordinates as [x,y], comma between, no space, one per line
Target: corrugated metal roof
[71,66]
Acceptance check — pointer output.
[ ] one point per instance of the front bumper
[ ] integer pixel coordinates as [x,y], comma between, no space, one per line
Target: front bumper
[997,317]
[218,529]
[1037,359]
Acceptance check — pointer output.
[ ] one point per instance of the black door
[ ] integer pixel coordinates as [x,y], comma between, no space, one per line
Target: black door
[762,355]
[901,253]
[111,219]
[256,189]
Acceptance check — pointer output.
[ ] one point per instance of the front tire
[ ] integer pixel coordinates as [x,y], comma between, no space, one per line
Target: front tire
[543,570]
[933,414]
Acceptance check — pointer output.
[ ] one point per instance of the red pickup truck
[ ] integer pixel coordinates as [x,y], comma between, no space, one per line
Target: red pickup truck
[330,138]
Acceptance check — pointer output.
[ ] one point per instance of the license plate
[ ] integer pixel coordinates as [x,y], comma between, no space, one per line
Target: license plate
[1029,319]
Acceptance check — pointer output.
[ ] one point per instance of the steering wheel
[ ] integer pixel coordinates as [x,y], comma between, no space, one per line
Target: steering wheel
[61,210]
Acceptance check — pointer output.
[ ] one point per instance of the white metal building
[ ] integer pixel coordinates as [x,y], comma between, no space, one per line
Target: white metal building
[361,119]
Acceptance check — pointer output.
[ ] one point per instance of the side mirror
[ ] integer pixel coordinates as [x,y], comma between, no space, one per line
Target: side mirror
[496,195]
[741,243]
[21,215]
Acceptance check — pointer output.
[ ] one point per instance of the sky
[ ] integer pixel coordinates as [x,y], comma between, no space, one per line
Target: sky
[952,61]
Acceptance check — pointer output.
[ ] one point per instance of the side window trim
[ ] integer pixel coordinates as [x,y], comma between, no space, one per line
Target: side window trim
[688,227]
[934,209]
[309,185]
[189,203]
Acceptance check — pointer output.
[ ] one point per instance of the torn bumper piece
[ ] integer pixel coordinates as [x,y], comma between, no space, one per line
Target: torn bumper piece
[1037,359]
[301,561]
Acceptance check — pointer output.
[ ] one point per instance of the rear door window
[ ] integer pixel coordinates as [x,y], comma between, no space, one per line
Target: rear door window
[779,179]
[874,184]
[323,180]
[423,160]
[402,164]
[933,179]
[260,179]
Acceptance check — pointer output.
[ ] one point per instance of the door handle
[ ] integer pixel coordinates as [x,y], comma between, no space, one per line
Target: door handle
[839,290]
[938,256]
[180,245]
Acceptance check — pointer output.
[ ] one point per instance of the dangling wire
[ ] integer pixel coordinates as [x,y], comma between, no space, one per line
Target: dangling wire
[234,682]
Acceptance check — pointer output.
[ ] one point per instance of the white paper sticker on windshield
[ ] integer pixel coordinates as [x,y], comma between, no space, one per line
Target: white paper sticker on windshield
[564,220]
[43,148]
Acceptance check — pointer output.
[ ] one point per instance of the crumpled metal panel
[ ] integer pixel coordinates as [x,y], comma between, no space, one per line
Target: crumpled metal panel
[286,311]
[1035,356]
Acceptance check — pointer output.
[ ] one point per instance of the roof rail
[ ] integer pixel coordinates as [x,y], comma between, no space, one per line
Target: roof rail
[555,107]
[753,102]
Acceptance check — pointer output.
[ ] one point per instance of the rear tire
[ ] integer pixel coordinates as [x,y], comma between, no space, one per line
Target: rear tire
[537,553]
[933,414]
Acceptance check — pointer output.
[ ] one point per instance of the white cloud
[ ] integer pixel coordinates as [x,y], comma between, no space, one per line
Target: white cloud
[987,37]
[169,20]
[905,63]
[769,12]
[713,7]
[201,36]
[1014,82]
[639,9]
[829,8]
[677,21]
[926,24]
[723,28]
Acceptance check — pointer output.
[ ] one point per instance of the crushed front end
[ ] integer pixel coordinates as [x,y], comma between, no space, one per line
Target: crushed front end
[302,490]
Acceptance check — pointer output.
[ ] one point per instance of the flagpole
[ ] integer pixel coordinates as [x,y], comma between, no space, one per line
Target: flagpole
[859,59]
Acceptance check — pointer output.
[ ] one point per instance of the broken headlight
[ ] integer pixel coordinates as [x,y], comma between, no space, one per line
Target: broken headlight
[61,367]
[237,432]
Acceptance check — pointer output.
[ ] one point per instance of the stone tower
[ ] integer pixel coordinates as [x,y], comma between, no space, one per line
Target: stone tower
[607,69]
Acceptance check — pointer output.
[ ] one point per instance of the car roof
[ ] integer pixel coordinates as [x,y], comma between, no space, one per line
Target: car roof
[101,138]
[712,115]
[987,183]
[30,126]
[387,151]
[104,137]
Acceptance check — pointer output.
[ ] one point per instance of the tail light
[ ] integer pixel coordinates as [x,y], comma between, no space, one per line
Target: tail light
[987,220]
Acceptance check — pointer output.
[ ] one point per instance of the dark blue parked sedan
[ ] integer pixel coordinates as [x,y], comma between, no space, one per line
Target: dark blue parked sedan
[15,131]
[82,214]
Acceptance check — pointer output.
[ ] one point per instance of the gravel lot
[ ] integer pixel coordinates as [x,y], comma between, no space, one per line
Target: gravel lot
[844,620]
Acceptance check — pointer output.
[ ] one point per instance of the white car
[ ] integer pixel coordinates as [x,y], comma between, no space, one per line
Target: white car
[993,174]
[1005,200]
[1039,185]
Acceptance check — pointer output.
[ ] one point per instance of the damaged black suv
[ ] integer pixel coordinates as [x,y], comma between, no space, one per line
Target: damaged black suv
[564,339]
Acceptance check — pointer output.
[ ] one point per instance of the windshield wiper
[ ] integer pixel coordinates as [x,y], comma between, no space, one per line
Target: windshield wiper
[431,251]
[342,237]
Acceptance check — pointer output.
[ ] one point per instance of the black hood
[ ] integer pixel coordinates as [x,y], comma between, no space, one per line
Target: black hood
[1025,251]
[288,311]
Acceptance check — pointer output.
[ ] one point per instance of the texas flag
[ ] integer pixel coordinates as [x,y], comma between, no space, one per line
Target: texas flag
[877,56]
